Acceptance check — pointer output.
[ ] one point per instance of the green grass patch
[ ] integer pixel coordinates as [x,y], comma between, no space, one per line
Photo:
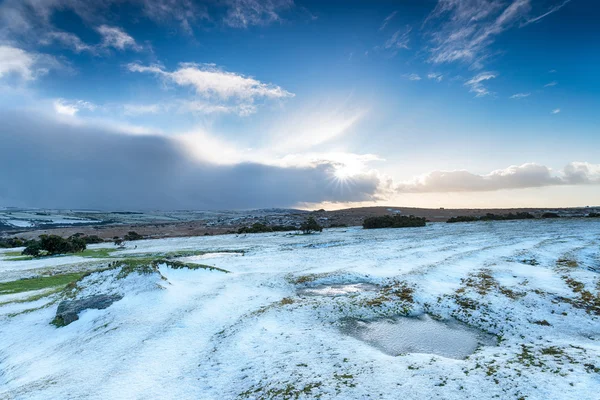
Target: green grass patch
[96,253]
[37,283]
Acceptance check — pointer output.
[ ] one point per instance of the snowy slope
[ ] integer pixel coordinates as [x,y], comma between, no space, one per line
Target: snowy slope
[198,334]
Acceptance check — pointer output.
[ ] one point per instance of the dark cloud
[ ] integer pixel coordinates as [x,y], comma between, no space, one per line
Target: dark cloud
[44,163]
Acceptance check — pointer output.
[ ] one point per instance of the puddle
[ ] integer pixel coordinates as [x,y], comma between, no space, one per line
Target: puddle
[423,334]
[338,290]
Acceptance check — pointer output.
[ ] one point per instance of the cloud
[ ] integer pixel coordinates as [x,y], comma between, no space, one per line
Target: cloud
[138,109]
[520,95]
[529,175]
[27,65]
[228,89]
[387,20]
[464,31]
[66,107]
[556,111]
[245,13]
[399,40]
[550,11]
[412,77]
[70,166]
[551,84]
[435,76]
[117,38]
[69,40]
[476,85]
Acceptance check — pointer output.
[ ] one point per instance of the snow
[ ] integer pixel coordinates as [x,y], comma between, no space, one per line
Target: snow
[198,334]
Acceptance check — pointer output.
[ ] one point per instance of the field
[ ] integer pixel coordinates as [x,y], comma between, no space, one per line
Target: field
[301,316]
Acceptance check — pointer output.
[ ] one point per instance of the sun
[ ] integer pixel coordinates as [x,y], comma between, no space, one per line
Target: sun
[347,171]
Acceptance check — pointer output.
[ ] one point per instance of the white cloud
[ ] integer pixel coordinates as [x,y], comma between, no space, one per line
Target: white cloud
[226,89]
[476,85]
[69,40]
[520,95]
[551,84]
[387,20]
[137,109]
[28,66]
[244,13]
[435,76]
[70,108]
[528,175]
[412,77]
[399,40]
[464,30]
[556,111]
[550,11]
[117,38]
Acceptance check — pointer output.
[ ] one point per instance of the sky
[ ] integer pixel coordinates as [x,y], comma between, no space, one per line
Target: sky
[239,104]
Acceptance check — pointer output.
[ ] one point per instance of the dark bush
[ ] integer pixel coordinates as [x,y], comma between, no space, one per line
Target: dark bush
[132,235]
[54,244]
[9,243]
[550,215]
[593,215]
[310,226]
[492,217]
[393,221]
[92,239]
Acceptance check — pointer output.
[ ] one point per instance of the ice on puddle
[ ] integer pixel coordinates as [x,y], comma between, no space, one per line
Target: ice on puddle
[423,334]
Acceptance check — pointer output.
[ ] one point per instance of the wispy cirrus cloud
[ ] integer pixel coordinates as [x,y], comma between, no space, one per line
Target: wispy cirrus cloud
[222,88]
[387,20]
[435,76]
[556,111]
[550,11]
[412,77]
[245,13]
[551,84]
[464,31]
[115,37]
[520,95]
[476,84]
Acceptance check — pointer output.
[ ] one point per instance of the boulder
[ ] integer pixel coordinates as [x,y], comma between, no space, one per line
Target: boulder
[68,310]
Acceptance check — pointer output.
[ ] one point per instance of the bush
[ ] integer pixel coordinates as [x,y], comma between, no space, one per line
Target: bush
[310,226]
[593,215]
[550,215]
[393,221]
[54,244]
[491,217]
[132,235]
[9,243]
[92,239]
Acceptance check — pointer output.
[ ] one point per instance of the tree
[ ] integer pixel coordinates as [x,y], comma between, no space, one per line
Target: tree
[310,226]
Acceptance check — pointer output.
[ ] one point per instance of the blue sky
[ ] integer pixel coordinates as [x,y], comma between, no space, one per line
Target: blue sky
[473,103]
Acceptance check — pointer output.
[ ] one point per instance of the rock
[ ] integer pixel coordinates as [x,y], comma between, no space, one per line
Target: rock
[68,310]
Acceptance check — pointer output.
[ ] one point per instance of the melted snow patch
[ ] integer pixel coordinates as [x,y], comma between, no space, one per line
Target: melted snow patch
[423,334]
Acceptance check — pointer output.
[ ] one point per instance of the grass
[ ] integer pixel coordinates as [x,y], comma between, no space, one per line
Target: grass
[37,283]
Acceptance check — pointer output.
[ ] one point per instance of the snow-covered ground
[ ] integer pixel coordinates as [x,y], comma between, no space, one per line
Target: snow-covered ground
[253,333]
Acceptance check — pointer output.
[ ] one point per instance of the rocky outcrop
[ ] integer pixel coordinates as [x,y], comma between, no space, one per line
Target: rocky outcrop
[68,310]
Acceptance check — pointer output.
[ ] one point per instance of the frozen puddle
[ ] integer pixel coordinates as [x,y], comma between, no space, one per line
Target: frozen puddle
[423,334]
[337,290]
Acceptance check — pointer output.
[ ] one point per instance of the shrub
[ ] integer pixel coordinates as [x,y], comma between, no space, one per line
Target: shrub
[54,244]
[393,221]
[310,226]
[462,218]
[132,235]
[92,239]
[491,217]
[550,215]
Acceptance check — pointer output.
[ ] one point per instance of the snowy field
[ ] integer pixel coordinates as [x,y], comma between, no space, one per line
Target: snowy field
[257,332]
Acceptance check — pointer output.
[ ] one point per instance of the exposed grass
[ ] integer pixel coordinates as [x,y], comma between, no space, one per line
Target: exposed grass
[25,285]
[96,253]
